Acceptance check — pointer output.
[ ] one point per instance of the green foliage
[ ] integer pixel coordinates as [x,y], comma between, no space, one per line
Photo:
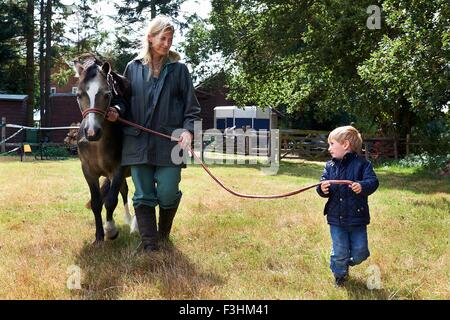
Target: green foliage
[320,55]
[59,153]
[198,47]
[132,19]
[425,160]
[434,136]
[142,10]
[12,61]
[408,71]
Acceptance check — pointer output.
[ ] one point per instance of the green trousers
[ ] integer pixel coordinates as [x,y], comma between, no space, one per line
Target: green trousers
[156,185]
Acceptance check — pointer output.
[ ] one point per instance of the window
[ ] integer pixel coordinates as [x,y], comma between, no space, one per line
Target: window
[52,90]
[74,90]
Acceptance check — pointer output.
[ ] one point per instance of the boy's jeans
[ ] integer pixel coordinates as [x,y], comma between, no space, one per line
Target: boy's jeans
[350,247]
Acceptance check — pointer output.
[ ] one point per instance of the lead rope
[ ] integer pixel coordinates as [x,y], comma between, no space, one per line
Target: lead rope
[220,183]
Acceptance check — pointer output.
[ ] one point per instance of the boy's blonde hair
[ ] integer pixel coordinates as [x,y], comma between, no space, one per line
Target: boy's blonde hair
[347,133]
[157,25]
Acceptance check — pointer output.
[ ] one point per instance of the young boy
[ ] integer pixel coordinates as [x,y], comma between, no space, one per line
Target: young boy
[347,209]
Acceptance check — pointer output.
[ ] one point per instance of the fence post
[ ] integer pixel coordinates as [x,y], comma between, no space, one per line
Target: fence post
[408,140]
[366,150]
[395,149]
[3,136]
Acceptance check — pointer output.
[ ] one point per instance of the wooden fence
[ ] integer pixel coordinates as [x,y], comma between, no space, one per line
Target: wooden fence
[313,145]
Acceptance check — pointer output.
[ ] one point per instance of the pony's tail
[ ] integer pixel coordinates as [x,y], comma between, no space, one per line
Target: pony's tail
[104,189]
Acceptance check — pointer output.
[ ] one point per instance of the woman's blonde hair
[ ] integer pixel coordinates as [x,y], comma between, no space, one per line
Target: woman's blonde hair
[157,25]
[347,133]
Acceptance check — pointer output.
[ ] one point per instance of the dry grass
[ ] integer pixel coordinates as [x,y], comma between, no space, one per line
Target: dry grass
[223,247]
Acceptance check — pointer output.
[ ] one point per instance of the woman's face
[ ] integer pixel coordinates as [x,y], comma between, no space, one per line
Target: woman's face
[161,43]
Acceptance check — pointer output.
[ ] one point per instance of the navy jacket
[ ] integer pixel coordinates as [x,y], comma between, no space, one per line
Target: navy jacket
[344,207]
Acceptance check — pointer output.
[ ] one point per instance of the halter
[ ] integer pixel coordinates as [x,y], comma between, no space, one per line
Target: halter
[112,88]
[93,110]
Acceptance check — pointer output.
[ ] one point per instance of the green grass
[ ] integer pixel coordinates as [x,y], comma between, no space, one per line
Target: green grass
[223,247]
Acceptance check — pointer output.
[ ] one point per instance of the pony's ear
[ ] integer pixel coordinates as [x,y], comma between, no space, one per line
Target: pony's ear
[106,68]
[78,67]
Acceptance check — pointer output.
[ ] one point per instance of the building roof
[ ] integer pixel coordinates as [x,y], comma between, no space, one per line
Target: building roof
[14,97]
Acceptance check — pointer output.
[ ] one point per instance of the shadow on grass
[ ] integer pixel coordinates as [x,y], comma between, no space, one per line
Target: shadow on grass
[357,290]
[114,268]
[415,182]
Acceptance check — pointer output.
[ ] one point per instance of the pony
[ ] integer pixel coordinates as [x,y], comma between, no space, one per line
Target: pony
[99,142]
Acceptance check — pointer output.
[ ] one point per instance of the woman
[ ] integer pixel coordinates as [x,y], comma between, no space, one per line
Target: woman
[163,100]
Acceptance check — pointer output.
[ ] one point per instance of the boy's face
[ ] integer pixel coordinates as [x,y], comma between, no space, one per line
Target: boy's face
[337,149]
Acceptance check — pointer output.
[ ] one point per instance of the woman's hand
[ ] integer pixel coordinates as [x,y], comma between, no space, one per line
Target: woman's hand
[112,114]
[185,140]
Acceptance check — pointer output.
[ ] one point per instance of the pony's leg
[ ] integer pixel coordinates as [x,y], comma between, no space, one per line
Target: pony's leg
[111,204]
[130,220]
[96,205]
[104,188]
[124,194]
[134,226]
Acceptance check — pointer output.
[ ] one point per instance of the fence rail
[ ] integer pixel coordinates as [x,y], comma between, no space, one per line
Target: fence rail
[304,144]
[313,145]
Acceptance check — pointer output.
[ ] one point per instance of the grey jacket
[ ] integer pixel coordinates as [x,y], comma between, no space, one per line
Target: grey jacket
[174,106]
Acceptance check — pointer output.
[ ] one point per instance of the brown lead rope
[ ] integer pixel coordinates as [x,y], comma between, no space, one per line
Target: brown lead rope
[220,183]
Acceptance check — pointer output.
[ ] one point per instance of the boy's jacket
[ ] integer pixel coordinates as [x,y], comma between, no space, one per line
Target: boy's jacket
[344,207]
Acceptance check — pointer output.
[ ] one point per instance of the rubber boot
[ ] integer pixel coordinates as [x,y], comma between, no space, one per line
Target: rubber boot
[146,220]
[165,222]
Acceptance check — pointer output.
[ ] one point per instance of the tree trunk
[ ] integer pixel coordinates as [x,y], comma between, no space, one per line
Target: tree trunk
[29,76]
[48,58]
[42,64]
[153,9]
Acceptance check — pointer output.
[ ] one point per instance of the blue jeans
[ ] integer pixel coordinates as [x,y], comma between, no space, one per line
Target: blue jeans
[350,247]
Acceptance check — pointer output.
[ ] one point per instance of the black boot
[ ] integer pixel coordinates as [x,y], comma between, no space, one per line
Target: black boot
[165,222]
[146,220]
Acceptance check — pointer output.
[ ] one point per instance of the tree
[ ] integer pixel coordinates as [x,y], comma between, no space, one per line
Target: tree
[29,70]
[52,18]
[301,55]
[409,72]
[134,15]
[139,10]
[12,75]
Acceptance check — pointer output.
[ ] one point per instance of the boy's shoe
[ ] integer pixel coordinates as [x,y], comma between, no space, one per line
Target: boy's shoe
[340,281]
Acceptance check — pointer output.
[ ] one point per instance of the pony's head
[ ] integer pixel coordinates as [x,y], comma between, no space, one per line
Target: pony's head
[93,95]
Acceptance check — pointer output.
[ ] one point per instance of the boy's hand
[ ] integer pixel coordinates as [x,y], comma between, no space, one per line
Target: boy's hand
[325,187]
[356,187]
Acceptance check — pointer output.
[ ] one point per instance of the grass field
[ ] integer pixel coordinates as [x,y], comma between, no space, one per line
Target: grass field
[223,247]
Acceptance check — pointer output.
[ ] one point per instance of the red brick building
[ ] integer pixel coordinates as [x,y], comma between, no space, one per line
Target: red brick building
[64,111]
[64,108]
[13,107]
